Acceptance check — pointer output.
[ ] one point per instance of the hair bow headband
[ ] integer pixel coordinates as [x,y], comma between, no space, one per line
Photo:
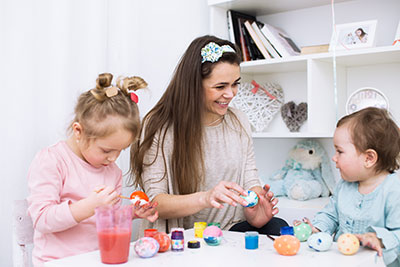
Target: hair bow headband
[212,52]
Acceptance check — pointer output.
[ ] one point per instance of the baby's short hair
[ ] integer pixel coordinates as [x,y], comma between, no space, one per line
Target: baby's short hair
[373,128]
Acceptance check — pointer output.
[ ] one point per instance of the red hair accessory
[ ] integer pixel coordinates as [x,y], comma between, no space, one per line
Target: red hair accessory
[134,96]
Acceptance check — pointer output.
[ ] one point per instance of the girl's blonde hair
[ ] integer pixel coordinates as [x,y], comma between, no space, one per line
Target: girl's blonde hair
[97,105]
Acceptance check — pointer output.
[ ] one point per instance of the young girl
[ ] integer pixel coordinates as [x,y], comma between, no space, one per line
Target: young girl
[365,202]
[68,180]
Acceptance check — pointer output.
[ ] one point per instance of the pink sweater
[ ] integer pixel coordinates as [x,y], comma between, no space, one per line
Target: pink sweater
[56,178]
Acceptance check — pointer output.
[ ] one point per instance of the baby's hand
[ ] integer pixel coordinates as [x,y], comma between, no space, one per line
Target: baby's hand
[372,241]
[103,196]
[147,211]
[307,221]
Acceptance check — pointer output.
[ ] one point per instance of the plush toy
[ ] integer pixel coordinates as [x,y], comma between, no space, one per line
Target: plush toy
[307,173]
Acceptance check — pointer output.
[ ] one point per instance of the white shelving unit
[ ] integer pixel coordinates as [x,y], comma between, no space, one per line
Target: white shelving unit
[310,78]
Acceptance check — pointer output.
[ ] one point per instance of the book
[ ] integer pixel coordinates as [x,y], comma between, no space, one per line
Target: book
[271,50]
[242,45]
[256,39]
[279,39]
[247,39]
[312,49]
[234,26]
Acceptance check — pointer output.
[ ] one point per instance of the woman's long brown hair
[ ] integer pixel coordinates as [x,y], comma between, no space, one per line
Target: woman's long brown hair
[181,109]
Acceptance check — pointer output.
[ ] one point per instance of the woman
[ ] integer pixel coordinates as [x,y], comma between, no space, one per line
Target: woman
[195,157]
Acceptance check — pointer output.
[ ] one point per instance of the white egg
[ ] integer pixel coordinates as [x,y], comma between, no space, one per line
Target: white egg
[320,241]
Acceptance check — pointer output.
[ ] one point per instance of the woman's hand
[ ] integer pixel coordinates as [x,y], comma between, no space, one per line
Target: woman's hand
[261,213]
[225,192]
[372,241]
[147,211]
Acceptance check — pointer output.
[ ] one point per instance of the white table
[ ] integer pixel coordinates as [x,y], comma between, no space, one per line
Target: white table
[231,252]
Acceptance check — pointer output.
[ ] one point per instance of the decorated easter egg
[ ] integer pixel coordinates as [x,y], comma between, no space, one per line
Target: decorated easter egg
[212,235]
[163,240]
[302,231]
[348,244]
[146,247]
[287,245]
[320,241]
[251,198]
[139,195]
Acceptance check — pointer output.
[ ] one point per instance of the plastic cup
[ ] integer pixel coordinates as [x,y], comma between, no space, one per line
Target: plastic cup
[114,226]
[251,240]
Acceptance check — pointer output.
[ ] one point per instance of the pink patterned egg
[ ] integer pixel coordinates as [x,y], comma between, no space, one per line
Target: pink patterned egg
[146,247]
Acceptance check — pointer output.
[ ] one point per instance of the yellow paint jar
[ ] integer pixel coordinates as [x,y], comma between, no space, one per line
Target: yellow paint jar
[199,228]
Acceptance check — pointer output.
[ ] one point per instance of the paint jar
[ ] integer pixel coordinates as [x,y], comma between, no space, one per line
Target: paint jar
[251,240]
[177,241]
[150,232]
[199,228]
[215,223]
[287,230]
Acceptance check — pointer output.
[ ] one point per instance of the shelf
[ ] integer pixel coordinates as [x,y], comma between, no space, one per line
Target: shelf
[259,7]
[348,58]
[292,135]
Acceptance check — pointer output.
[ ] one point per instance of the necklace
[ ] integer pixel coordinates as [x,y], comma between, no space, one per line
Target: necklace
[215,122]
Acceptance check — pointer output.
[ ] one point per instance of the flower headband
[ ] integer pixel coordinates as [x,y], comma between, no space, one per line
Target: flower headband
[212,52]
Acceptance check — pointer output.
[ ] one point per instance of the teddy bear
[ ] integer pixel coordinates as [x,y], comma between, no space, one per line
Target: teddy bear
[307,173]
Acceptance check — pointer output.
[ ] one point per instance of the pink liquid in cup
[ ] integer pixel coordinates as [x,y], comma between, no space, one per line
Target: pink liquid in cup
[114,233]
[114,245]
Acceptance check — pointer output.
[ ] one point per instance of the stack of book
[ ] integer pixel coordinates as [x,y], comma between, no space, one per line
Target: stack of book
[259,40]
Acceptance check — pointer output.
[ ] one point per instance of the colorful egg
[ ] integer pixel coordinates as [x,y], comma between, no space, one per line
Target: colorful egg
[146,247]
[302,231]
[139,195]
[163,240]
[287,245]
[251,198]
[348,244]
[212,235]
[320,241]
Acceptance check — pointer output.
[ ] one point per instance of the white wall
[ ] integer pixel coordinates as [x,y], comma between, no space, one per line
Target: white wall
[51,51]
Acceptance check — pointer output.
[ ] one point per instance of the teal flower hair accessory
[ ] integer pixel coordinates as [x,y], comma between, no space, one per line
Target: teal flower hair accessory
[212,52]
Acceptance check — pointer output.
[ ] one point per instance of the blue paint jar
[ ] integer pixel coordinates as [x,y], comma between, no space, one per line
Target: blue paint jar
[287,230]
[251,240]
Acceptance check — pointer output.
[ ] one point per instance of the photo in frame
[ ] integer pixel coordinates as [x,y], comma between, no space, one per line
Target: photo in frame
[353,35]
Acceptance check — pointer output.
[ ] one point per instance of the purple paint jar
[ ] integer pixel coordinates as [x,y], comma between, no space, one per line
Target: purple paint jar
[177,241]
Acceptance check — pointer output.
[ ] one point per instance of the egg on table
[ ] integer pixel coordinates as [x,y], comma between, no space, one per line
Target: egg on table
[320,241]
[302,231]
[287,245]
[146,247]
[348,244]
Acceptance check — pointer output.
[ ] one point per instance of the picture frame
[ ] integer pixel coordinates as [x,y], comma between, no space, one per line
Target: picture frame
[353,35]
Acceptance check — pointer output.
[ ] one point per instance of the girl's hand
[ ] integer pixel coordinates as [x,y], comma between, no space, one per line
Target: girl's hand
[372,241]
[147,211]
[225,192]
[307,221]
[103,196]
[261,213]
